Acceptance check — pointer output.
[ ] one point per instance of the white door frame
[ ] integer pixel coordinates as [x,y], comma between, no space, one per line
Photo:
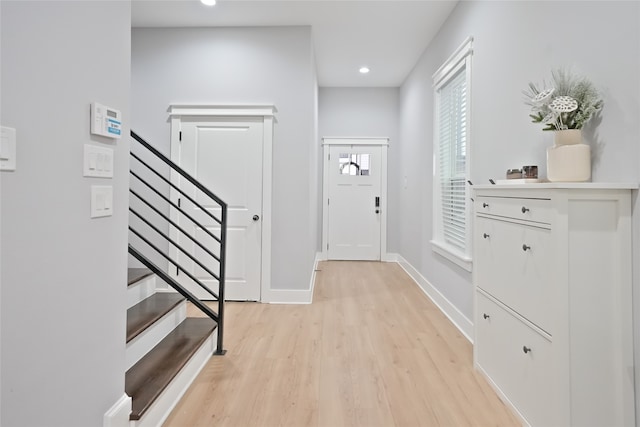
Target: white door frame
[327,142]
[267,114]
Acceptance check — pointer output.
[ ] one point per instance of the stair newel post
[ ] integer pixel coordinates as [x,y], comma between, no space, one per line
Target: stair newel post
[223,262]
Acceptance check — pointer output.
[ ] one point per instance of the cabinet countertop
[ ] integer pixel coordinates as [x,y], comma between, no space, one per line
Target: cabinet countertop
[561,185]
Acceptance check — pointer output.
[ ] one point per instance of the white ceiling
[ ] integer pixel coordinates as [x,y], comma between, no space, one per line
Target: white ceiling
[387,36]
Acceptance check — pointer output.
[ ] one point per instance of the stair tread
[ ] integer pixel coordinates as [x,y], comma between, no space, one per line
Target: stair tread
[149,310]
[145,380]
[136,274]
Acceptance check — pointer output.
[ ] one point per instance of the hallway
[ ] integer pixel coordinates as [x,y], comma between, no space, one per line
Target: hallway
[372,350]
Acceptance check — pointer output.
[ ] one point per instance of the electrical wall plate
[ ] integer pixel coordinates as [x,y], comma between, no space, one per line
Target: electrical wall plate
[98,161]
[101,201]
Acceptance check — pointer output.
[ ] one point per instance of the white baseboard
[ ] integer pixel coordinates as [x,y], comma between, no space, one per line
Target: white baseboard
[464,325]
[390,257]
[118,414]
[296,296]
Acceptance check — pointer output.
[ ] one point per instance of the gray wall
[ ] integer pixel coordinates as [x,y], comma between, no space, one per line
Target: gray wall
[366,112]
[515,43]
[63,274]
[242,66]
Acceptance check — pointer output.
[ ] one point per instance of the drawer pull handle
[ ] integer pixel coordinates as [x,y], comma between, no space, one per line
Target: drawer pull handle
[525,248]
[486,316]
[485,205]
[525,210]
[526,349]
[485,235]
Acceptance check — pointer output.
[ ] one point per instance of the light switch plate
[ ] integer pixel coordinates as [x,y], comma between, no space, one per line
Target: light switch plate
[98,161]
[101,201]
[7,149]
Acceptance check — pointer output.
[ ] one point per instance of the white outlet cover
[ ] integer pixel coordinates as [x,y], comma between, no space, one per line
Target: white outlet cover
[101,201]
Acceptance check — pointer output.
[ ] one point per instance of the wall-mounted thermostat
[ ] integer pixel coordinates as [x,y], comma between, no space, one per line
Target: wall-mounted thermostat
[105,121]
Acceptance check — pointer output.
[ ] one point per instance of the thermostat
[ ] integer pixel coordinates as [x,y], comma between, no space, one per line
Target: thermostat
[105,121]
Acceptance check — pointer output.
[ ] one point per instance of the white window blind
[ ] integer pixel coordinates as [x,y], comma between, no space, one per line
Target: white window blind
[451,235]
[452,159]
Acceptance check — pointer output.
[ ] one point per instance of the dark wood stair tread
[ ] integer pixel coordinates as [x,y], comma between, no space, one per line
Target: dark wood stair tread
[136,274]
[150,376]
[149,310]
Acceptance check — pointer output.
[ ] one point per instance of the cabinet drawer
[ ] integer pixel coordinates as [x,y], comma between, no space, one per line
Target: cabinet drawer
[514,264]
[535,210]
[526,378]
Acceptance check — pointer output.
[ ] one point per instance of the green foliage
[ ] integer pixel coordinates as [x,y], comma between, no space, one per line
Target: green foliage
[564,84]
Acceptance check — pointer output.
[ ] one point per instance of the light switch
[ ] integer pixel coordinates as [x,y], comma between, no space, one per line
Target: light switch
[98,161]
[7,149]
[101,201]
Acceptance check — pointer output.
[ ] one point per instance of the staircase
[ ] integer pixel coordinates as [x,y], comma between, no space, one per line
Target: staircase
[165,349]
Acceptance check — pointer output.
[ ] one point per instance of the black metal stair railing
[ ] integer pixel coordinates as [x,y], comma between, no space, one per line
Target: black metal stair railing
[166,221]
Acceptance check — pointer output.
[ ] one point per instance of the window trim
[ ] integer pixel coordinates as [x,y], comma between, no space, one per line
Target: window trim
[459,59]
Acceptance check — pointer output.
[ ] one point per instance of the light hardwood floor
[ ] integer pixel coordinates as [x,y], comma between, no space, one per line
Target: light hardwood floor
[372,350]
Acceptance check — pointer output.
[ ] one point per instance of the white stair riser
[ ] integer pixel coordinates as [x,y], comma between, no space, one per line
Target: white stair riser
[140,290]
[148,339]
[162,407]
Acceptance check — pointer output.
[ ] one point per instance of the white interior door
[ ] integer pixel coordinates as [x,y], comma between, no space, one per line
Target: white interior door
[354,202]
[225,155]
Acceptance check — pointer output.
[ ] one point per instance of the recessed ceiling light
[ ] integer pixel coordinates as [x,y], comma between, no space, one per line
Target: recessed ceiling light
[364,70]
[208,2]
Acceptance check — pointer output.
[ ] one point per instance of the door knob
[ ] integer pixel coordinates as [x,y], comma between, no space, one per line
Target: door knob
[256,217]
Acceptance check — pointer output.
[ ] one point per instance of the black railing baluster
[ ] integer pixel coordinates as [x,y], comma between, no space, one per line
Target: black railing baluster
[163,197]
[223,255]
[221,240]
[178,266]
[175,285]
[173,223]
[175,187]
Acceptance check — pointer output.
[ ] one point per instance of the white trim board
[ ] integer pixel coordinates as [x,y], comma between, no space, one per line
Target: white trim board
[118,414]
[355,140]
[297,296]
[460,321]
[247,110]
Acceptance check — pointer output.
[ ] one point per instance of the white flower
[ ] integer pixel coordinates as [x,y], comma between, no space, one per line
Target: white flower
[543,96]
[550,118]
[563,104]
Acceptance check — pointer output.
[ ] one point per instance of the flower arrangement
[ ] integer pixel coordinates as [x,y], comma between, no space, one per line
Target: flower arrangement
[568,103]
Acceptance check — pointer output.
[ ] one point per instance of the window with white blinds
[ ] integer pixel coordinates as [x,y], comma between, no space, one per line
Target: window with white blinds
[451,158]
[452,144]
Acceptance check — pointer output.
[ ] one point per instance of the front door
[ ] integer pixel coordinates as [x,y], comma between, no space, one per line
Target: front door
[354,202]
[225,155]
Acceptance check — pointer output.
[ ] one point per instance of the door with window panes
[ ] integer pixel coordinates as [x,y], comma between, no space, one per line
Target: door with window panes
[354,202]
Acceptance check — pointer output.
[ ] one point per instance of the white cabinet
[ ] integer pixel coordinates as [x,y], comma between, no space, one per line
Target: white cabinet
[553,320]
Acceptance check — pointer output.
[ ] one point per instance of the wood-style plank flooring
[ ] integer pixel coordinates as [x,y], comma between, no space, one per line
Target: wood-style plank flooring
[372,350]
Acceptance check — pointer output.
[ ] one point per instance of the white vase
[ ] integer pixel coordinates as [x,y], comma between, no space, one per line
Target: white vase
[568,160]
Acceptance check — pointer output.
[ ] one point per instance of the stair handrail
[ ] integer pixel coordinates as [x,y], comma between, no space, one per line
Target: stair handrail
[178,169]
[221,259]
